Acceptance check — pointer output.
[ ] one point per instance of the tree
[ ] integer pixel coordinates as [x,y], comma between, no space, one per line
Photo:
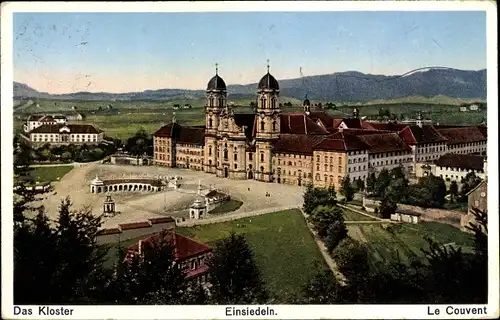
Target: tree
[468,183]
[436,187]
[371,180]
[236,278]
[387,207]
[323,217]
[336,232]
[359,184]
[69,263]
[352,259]
[141,143]
[322,289]
[346,189]
[151,277]
[453,191]
[314,197]
[382,182]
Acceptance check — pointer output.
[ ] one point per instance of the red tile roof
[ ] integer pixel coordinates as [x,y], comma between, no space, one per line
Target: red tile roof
[484,130]
[340,142]
[462,135]
[388,126]
[184,247]
[161,220]
[299,123]
[384,142]
[182,134]
[462,161]
[413,134]
[135,225]
[296,143]
[73,128]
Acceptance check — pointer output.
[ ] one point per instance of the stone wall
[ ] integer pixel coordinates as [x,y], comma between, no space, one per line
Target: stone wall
[450,217]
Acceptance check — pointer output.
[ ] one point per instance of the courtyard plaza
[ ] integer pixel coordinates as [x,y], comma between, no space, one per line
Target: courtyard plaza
[138,206]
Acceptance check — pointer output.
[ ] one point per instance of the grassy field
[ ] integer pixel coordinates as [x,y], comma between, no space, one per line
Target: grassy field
[227,206]
[281,242]
[387,242]
[52,173]
[151,115]
[354,216]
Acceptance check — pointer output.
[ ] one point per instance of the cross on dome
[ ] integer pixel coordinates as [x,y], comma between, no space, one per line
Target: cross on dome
[216,68]
[267,65]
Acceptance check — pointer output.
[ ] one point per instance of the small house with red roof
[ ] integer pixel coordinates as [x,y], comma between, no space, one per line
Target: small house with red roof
[191,255]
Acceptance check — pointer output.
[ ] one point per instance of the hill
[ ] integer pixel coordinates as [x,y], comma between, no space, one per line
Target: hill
[349,86]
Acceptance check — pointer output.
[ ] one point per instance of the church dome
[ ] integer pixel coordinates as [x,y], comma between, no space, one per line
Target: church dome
[268,82]
[216,83]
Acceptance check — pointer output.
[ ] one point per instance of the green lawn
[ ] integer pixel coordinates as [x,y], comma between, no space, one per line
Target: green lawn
[354,216]
[50,173]
[227,206]
[386,242]
[284,249]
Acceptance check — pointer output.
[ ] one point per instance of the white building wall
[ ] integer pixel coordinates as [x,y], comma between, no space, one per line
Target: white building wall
[456,174]
[468,148]
[357,164]
[391,160]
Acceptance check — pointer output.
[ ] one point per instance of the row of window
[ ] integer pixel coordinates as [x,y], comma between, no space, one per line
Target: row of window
[469,144]
[318,159]
[387,154]
[356,160]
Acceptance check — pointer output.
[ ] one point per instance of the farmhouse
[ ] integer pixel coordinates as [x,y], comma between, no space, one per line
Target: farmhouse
[296,148]
[454,167]
[66,134]
[36,120]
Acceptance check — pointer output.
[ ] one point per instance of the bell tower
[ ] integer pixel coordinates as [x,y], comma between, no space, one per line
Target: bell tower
[216,101]
[268,125]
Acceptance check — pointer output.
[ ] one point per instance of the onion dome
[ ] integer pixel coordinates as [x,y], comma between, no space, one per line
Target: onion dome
[216,84]
[268,82]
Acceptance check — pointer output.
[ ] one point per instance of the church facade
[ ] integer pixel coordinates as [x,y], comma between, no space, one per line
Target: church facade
[310,146]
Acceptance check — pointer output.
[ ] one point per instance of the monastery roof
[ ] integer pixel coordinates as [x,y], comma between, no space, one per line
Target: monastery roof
[299,123]
[484,130]
[345,143]
[183,247]
[462,134]
[384,142]
[413,134]
[462,161]
[296,143]
[388,126]
[353,123]
[73,128]
[183,134]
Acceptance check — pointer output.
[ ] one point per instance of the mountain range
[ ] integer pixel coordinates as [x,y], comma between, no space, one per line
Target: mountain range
[342,86]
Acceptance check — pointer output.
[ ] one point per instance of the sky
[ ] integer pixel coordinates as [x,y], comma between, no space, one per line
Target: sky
[125,52]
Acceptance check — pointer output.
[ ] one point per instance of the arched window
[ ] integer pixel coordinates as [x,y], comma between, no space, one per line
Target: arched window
[221,102]
[210,122]
[210,150]
[262,157]
[274,125]
[261,169]
[211,99]
[262,102]
[262,125]
[273,103]
[225,154]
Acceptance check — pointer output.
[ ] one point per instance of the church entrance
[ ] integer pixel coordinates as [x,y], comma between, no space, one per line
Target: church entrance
[226,172]
[300,182]
[250,174]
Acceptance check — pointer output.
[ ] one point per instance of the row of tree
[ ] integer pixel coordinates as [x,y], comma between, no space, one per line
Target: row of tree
[444,275]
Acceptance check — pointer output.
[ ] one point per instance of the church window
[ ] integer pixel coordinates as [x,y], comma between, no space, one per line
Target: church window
[262,169]
[250,156]
[210,122]
[262,125]
[273,103]
[221,102]
[210,150]
[274,125]
[262,157]
[235,166]
[211,101]
[262,102]
[235,157]
[225,154]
